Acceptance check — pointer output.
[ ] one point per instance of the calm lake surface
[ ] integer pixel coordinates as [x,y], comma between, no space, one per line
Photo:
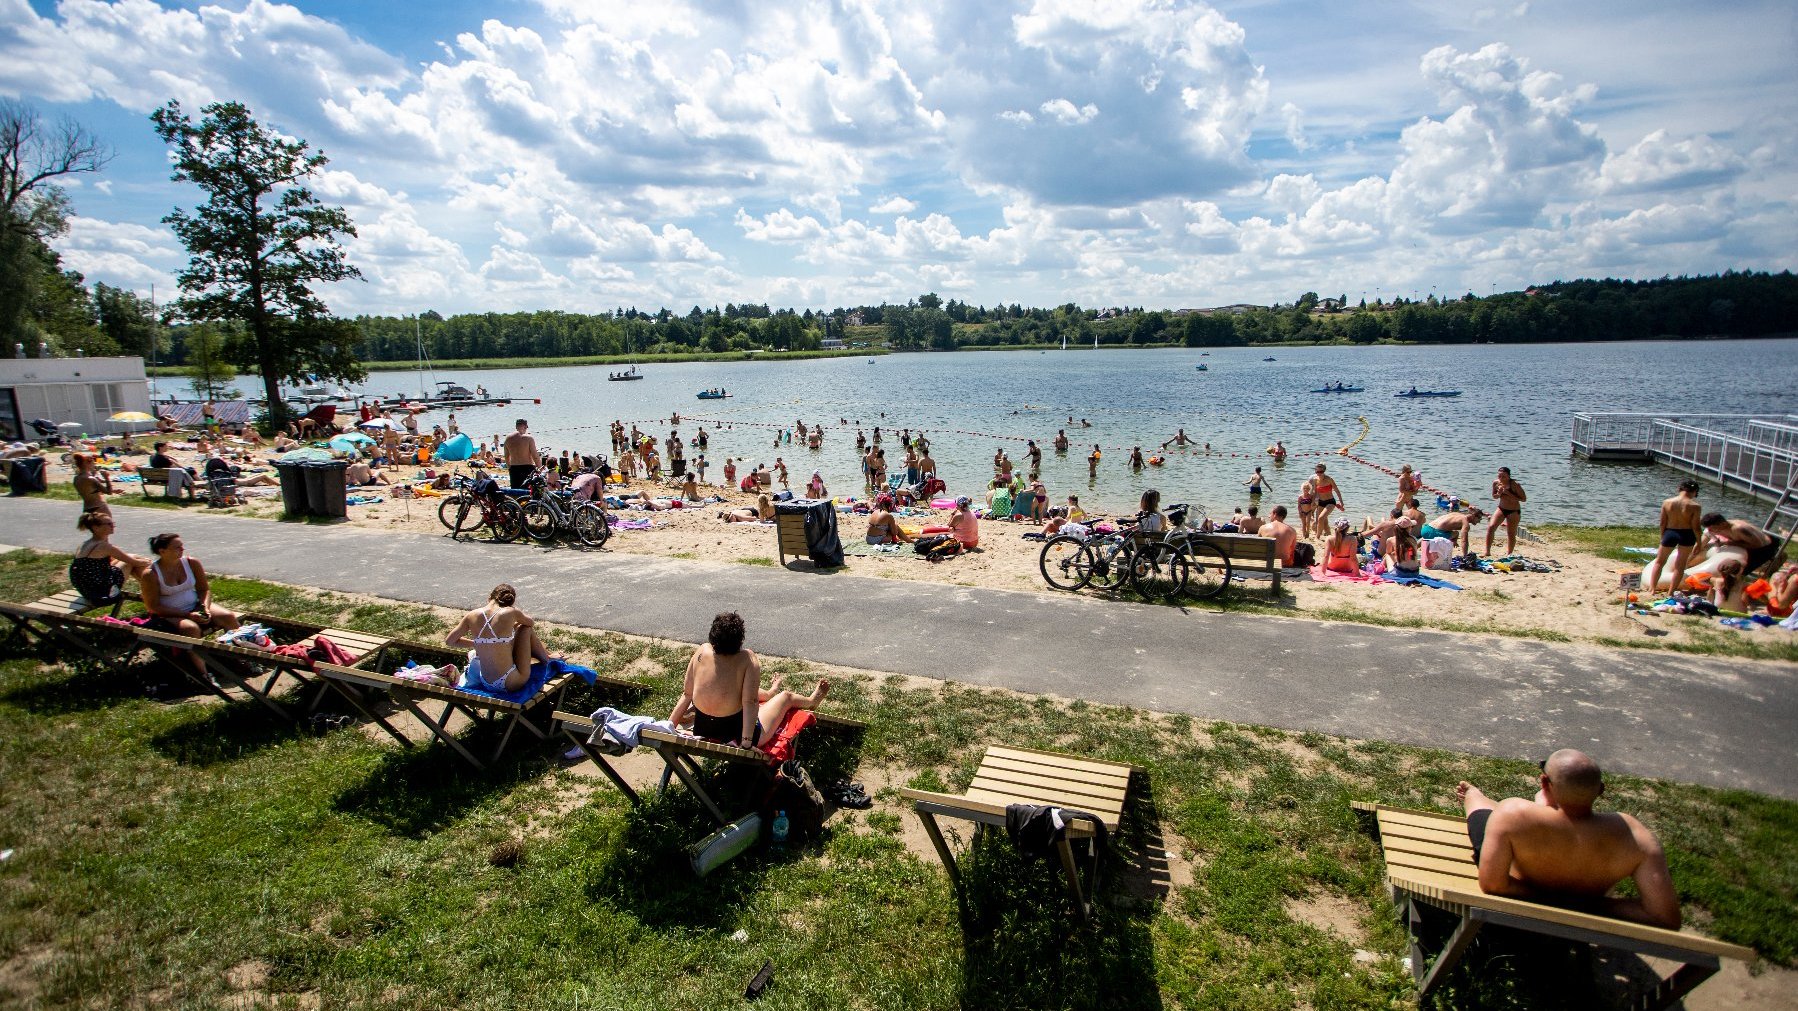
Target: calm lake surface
[1516,410]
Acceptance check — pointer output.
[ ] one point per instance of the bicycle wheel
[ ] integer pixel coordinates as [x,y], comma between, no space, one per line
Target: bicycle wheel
[1064,562]
[448,509]
[468,518]
[1109,563]
[1209,568]
[506,521]
[1158,571]
[591,525]
[539,520]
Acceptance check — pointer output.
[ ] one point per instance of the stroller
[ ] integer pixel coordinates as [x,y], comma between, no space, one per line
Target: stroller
[46,431]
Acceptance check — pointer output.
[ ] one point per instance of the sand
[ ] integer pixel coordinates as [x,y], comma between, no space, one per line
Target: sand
[1579,602]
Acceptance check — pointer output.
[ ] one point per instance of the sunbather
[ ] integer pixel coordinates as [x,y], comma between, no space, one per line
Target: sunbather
[1558,850]
[762,512]
[92,571]
[1342,552]
[723,691]
[883,527]
[501,641]
[177,594]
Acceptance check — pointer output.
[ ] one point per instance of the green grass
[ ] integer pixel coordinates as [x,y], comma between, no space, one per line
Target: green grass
[161,846]
[757,560]
[1609,542]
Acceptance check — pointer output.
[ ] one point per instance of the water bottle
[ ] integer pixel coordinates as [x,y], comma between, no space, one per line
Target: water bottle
[779,830]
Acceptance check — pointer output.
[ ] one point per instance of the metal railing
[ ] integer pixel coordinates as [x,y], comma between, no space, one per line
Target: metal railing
[1754,453]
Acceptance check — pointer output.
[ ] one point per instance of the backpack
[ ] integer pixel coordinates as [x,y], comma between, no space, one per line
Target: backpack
[1304,555]
[795,793]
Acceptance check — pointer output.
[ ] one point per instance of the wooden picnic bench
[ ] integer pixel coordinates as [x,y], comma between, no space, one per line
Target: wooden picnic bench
[148,476]
[1429,862]
[67,617]
[789,535]
[1009,776]
[1250,551]
[257,672]
[680,753]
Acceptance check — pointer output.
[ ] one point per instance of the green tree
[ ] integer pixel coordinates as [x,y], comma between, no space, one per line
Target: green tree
[127,321]
[35,296]
[208,367]
[258,244]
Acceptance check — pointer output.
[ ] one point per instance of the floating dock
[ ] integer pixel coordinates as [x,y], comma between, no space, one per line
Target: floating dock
[1752,453]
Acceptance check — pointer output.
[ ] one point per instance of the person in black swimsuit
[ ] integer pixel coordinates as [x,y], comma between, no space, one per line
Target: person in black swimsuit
[723,692]
[93,571]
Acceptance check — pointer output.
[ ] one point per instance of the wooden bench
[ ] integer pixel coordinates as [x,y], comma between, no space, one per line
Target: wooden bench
[67,617]
[1429,862]
[257,672]
[148,476]
[789,535]
[1251,551]
[1009,776]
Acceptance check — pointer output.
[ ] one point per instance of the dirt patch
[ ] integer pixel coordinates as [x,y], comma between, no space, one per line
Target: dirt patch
[251,975]
[1735,986]
[20,974]
[1332,914]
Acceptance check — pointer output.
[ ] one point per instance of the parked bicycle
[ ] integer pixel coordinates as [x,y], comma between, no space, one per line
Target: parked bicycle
[548,514]
[1181,561]
[480,502]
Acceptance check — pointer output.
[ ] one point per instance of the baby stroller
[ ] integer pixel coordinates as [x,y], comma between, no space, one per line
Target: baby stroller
[46,431]
[221,491]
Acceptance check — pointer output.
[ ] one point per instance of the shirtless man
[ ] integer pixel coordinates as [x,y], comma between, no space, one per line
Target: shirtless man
[1510,498]
[521,454]
[1284,537]
[1179,439]
[1456,526]
[1679,534]
[1061,440]
[926,463]
[1558,849]
[1253,522]
[723,690]
[1761,547]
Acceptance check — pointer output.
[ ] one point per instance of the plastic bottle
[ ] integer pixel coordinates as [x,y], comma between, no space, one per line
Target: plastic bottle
[778,832]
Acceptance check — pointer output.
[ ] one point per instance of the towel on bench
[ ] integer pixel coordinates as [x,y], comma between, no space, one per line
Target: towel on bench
[541,674]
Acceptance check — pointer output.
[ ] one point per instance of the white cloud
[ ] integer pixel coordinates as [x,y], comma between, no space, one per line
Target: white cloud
[894,204]
[1063,111]
[1657,163]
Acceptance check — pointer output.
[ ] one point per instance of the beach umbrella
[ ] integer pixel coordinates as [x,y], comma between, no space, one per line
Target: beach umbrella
[349,441]
[380,423]
[456,447]
[129,418]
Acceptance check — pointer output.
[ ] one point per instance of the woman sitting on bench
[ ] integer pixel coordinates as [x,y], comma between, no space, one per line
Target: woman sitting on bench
[723,691]
[178,596]
[92,572]
[501,641]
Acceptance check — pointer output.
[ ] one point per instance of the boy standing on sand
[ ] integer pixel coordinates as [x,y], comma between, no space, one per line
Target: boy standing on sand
[1679,534]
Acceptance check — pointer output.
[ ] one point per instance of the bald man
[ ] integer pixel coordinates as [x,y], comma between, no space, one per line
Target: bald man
[1557,849]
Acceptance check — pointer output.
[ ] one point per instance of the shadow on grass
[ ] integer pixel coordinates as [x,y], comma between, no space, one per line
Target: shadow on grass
[1023,946]
[650,875]
[87,684]
[226,734]
[426,788]
[1506,968]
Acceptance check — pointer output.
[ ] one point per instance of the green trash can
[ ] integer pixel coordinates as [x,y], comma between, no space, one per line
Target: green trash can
[293,489]
[326,488]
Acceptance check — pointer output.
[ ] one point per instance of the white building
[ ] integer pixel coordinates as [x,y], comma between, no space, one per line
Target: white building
[84,390]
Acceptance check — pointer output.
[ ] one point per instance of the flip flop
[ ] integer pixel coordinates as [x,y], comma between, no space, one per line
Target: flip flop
[846,794]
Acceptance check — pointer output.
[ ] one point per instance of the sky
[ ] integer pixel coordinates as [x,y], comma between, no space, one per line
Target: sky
[585,155]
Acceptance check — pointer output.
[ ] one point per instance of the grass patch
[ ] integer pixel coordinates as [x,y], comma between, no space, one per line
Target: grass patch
[757,560]
[162,848]
[1609,542]
[1359,616]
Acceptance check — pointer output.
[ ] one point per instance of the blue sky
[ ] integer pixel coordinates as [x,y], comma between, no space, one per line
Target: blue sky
[567,154]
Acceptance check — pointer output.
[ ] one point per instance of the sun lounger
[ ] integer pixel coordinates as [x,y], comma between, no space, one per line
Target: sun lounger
[376,672]
[1429,862]
[69,619]
[681,753]
[1009,776]
[257,672]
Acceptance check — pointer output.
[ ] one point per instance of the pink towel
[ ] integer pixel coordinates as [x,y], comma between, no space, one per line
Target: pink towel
[1319,574]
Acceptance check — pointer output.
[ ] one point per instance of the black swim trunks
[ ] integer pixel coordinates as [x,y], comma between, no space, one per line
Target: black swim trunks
[1760,556]
[1476,831]
[1678,539]
[722,728]
[519,473]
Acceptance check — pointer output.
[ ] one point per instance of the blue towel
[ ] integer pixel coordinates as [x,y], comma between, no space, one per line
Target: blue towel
[541,674]
[1429,581]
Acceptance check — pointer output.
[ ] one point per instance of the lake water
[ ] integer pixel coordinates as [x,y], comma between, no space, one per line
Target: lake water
[1516,410]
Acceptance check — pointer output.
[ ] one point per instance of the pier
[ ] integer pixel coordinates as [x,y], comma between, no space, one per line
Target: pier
[1753,453]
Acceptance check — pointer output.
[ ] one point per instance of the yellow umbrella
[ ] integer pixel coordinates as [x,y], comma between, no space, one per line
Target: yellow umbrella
[132,416]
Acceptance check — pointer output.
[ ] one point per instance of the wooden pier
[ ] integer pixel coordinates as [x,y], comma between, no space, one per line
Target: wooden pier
[1752,453]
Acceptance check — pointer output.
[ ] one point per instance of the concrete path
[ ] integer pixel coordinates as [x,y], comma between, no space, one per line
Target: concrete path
[1719,722]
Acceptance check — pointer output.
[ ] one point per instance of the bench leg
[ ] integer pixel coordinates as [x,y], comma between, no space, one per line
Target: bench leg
[580,741]
[935,833]
[355,697]
[1465,931]
[688,774]
[1276,580]
[1066,851]
[439,727]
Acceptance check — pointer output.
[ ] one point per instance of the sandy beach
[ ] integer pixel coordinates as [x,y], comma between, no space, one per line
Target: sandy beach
[1578,601]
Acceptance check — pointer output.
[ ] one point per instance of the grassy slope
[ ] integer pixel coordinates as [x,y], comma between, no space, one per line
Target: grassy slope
[160,846]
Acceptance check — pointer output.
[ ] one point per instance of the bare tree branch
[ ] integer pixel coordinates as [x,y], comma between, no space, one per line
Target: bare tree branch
[32,153]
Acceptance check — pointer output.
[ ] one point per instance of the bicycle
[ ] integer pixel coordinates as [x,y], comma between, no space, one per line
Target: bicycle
[547,514]
[1184,561]
[481,503]
[1074,563]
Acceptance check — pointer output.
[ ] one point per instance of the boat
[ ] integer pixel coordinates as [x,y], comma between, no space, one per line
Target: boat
[712,394]
[1342,389]
[624,377]
[1202,367]
[1429,393]
[453,391]
[1269,358]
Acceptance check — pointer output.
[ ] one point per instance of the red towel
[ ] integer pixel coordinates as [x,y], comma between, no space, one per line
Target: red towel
[783,745]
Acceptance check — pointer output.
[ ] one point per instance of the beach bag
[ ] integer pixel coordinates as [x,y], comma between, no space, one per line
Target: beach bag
[925,545]
[794,793]
[1303,555]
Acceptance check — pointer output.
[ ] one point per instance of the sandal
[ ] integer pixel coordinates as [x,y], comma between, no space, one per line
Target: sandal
[847,794]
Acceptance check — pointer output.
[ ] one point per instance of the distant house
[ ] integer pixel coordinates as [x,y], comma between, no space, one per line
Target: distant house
[831,344]
[854,319]
[1236,309]
[1330,305]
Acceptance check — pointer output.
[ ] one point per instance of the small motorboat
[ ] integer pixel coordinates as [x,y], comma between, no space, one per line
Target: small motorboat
[1269,358]
[624,377]
[1339,388]
[718,394]
[1202,367]
[1429,393]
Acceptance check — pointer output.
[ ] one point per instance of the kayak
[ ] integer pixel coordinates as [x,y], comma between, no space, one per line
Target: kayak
[710,395]
[1430,393]
[1342,389]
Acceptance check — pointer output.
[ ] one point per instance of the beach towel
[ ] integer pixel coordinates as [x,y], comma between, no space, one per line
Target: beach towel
[1319,574]
[632,524]
[541,673]
[620,730]
[1419,580]
[781,745]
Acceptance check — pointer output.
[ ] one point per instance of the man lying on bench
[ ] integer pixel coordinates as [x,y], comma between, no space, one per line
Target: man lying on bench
[724,691]
[1556,849]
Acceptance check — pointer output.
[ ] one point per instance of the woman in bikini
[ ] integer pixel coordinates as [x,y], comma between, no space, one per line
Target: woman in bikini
[883,526]
[178,596]
[1408,484]
[1342,551]
[723,691]
[1307,506]
[92,571]
[91,483]
[1510,498]
[1328,497]
[501,641]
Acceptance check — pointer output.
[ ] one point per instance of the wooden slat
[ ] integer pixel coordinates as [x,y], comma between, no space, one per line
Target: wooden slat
[1058,760]
[1448,837]
[1102,785]
[1000,780]
[1048,797]
[1424,819]
[701,746]
[1443,851]
[1441,865]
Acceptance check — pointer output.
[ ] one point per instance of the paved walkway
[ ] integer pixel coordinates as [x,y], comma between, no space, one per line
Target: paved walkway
[1719,722]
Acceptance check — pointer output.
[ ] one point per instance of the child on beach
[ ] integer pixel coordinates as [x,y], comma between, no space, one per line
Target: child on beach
[730,472]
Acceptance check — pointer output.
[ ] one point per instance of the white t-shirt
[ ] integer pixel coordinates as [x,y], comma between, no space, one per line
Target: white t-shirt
[1153,523]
